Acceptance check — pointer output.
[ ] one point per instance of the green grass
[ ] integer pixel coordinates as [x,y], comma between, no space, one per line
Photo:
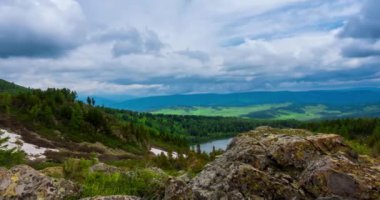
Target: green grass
[220,111]
[284,111]
[142,182]
[309,113]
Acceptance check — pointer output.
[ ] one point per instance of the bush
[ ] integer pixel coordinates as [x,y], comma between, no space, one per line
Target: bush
[143,182]
[77,169]
[358,147]
[10,158]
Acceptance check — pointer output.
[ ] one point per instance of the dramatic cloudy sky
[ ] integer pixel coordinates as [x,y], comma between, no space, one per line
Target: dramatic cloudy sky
[149,47]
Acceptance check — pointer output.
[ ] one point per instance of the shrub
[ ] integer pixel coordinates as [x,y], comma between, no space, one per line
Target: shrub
[77,169]
[358,147]
[143,182]
[10,158]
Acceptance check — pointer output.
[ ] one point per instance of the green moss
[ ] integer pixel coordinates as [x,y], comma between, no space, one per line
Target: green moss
[144,183]
[10,158]
[358,147]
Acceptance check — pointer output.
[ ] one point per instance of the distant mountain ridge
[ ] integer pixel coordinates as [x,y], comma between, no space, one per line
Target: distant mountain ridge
[326,97]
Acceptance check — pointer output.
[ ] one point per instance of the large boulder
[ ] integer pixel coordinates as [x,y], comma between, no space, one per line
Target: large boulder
[272,163]
[24,183]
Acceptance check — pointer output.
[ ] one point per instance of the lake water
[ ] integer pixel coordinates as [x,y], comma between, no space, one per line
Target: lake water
[219,144]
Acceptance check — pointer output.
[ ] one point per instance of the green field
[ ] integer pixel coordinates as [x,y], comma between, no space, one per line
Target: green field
[220,111]
[282,111]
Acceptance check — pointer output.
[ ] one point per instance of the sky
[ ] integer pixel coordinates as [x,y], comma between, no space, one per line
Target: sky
[148,47]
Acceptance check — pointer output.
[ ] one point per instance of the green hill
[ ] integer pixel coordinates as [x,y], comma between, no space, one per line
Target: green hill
[6,86]
[327,97]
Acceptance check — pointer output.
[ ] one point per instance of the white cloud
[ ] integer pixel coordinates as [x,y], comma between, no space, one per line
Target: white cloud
[187,46]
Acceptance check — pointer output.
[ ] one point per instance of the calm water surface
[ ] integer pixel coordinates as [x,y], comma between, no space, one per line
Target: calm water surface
[219,144]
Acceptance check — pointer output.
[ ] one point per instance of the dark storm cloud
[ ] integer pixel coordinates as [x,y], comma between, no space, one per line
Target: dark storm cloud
[367,24]
[356,74]
[365,30]
[352,51]
[39,28]
[24,43]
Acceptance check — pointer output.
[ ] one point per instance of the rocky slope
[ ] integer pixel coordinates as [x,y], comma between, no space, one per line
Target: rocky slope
[284,164]
[265,163]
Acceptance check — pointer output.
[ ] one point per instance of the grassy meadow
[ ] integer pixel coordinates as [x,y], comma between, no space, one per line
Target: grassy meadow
[283,111]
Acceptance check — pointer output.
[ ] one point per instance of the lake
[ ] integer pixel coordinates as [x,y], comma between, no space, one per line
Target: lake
[219,144]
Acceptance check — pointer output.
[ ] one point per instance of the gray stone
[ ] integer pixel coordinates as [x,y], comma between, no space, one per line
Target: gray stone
[272,163]
[23,182]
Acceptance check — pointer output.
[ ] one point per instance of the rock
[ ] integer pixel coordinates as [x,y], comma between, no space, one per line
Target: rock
[177,189]
[272,163]
[23,182]
[114,197]
[102,167]
[55,172]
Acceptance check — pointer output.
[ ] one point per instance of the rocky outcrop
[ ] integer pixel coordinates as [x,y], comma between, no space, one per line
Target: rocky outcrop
[114,197]
[271,163]
[23,182]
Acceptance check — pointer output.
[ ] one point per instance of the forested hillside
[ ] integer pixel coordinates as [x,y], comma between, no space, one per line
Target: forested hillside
[364,133]
[57,115]
[197,128]
[6,86]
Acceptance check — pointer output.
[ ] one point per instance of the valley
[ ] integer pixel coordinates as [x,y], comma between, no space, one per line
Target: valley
[285,111]
[93,150]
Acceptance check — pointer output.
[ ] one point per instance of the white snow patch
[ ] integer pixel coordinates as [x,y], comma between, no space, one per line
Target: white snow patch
[14,141]
[158,152]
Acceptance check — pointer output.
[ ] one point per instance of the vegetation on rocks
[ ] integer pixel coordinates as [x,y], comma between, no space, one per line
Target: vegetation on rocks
[272,163]
[11,157]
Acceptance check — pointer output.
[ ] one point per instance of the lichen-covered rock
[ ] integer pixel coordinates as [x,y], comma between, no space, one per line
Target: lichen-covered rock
[114,197]
[177,189]
[56,172]
[23,182]
[272,163]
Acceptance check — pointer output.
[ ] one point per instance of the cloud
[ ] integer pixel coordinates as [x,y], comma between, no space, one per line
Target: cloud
[198,55]
[361,50]
[39,28]
[363,31]
[366,25]
[129,40]
[153,48]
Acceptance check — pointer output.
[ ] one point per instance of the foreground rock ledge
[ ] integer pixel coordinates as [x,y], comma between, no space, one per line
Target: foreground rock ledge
[272,163]
[24,182]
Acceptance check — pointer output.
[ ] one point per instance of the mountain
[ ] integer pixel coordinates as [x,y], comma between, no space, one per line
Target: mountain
[328,97]
[6,86]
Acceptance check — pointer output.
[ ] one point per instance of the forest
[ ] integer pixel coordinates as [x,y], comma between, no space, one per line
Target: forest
[57,114]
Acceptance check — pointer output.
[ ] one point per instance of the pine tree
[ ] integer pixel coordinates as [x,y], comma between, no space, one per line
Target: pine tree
[199,149]
[89,101]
